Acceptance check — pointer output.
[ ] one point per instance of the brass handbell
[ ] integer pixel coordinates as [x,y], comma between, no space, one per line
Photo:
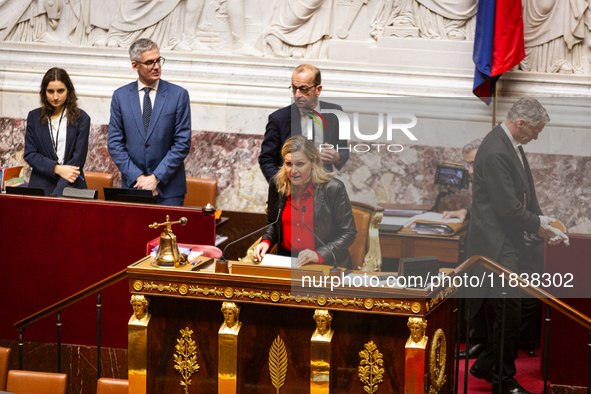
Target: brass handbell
[168,254]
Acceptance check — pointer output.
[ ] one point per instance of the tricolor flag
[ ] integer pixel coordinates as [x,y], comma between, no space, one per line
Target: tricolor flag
[498,43]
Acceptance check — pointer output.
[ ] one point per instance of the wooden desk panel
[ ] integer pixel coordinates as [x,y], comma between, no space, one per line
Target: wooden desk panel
[273,307]
[401,245]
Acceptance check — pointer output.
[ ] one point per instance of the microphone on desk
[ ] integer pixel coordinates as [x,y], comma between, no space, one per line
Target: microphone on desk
[223,259]
[334,270]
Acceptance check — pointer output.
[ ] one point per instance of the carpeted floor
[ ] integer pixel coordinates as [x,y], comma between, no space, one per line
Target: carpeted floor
[528,375]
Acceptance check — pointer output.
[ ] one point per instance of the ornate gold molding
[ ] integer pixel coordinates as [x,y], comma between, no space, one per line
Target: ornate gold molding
[403,306]
[196,290]
[278,363]
[440,296]
[373,258]
[161,287]
[371,372]
[437,359]
[251,294]
[185,358]
[358,302]
[280,297]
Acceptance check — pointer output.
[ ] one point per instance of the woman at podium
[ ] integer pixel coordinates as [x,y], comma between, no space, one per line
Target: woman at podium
[56,140]
[310,210]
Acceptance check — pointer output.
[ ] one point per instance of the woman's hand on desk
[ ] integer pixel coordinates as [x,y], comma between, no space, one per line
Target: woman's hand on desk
[260,250]
[69,173]
[307,256]
[461,214]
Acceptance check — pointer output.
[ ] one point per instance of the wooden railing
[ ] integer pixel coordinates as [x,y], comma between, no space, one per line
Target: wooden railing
[542,295]
[57,308]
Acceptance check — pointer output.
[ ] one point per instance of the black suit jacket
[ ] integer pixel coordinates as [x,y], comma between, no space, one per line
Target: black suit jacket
[333,221]
[40,155]
[504,202]
[279,130]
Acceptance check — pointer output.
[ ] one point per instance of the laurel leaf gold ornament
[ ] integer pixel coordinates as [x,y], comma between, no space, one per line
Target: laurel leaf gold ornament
[278,363]
[370,369]
[185,358]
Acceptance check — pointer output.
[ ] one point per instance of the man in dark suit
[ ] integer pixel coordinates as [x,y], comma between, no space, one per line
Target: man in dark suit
[289,121]
[504,209]
[150,128]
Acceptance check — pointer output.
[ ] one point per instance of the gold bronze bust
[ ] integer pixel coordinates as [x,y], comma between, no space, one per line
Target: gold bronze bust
[140,309]
[231,313]
[323,320]
[418,328]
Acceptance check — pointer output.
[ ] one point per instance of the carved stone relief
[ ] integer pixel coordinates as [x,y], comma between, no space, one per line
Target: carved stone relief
[554,32]
[434,19]
[557,32]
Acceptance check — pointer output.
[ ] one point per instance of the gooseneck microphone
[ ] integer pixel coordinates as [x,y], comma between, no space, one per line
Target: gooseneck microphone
[223,259]
[334,265]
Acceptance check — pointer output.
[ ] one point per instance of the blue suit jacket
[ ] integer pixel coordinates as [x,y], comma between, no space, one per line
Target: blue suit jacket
[279,130]
[162,150]
[40,155]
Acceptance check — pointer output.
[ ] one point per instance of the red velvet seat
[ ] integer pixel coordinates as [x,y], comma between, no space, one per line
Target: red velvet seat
[29,382]
[112,386]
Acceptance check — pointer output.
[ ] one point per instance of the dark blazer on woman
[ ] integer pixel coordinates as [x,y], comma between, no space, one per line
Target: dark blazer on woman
[41,156]
[333,221]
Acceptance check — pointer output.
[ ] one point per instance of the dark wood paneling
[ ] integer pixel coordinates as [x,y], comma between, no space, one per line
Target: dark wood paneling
[238,225]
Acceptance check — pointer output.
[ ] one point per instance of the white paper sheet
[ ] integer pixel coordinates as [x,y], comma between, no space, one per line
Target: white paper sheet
[274,260]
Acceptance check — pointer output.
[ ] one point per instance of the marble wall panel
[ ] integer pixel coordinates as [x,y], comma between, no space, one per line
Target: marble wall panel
[563,182]
[78,362]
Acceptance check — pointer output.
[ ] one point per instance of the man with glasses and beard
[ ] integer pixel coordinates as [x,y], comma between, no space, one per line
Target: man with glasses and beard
[150,128]
[293,120]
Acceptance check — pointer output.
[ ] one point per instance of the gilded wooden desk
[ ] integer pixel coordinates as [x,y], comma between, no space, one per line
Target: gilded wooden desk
[281,344]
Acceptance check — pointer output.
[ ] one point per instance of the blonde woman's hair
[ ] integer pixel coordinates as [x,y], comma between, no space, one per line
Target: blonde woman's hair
[318,175]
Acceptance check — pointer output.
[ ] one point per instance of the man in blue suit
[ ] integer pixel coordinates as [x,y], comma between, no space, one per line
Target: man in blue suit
[150,128]
[286,122]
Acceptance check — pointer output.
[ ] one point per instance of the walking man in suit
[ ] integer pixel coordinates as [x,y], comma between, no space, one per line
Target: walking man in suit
[150,128]
[504,210]
[292,120]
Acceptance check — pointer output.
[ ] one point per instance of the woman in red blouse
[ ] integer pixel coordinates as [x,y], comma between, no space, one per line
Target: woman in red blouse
[308,196]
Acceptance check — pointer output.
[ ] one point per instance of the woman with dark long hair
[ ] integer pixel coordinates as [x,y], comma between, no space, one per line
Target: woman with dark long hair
[56,141]
[307,196]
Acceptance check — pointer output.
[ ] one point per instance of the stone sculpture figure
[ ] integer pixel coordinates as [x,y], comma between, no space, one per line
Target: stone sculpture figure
[235,12]
[554,31]
[28,20]
[90,21]
[299,29]
[161,21]
[435,19]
